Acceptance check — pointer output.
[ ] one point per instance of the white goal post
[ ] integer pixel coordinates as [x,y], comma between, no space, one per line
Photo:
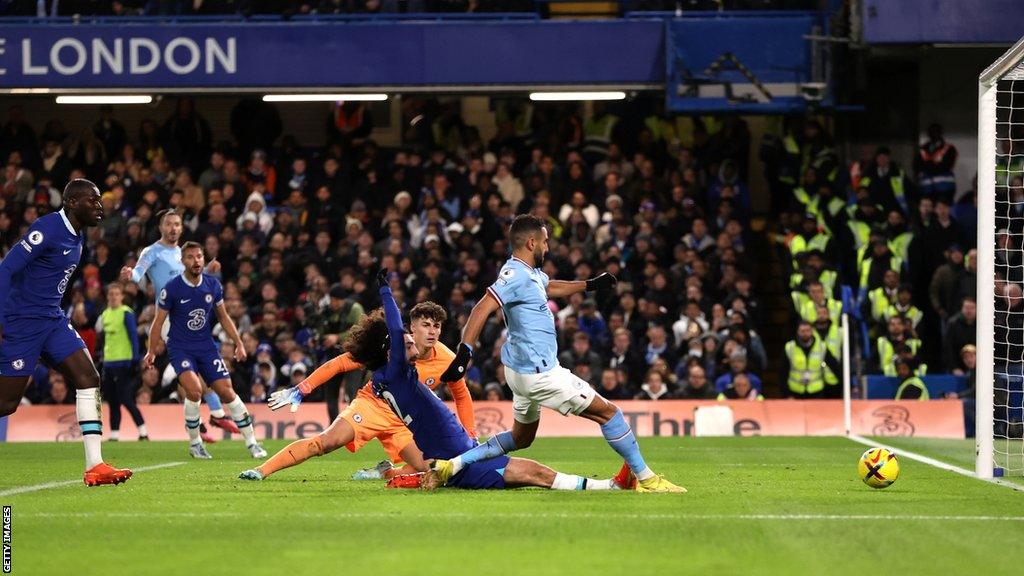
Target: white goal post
[998,448]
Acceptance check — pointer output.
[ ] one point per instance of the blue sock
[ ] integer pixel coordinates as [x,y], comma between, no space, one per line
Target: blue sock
[500,443]
[213,403]
[620,437]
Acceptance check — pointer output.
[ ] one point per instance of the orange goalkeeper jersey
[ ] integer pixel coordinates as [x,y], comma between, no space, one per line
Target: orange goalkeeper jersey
[429,370]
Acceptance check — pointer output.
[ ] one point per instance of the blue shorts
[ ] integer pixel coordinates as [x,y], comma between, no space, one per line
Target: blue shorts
[25,340]
[207,363]
[487,474]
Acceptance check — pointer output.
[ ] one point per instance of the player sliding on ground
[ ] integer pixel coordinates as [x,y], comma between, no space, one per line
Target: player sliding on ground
[369,416]
[160,262]
[189,300]
[531,365]
[380,343]
[33,278]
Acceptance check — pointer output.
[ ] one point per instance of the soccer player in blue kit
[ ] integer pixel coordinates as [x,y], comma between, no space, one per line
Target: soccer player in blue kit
[160,262]
[530,357]
[190,300]
[384,347]
[33,278]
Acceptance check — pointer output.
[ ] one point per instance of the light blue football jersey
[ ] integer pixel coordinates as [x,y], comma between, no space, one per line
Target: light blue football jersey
[160,264]
[522,291]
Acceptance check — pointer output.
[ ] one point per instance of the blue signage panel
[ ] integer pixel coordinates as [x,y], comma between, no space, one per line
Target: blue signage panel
[943,21]
[281,55]
[750,65]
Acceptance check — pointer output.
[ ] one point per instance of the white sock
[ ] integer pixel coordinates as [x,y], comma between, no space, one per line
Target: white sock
[192,422]
[87,408]
[115,434]
[645,474]
[218,413]
[242,420]
[607,484]
[568,482]
[142,430]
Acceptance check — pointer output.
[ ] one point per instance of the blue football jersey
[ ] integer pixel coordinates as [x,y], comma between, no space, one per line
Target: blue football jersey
[438,433]
[191,311]
[522,291]
[160,264]
[36,272]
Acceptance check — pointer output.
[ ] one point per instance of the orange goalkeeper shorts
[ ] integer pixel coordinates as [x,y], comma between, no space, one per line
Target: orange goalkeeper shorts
[371,418]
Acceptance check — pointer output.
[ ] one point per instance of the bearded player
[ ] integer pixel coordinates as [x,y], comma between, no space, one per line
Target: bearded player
[369,416]
[380,343]
[190,301]
[530,357]
[33,278]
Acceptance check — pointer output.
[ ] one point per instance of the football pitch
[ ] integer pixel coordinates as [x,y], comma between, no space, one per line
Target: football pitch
[755,506]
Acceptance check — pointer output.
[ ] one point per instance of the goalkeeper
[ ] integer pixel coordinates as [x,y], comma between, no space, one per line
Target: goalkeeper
[380,343]
[367,416]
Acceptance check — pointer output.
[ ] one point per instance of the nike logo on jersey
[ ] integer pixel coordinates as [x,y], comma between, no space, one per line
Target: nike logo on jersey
[185,301]
[68,251]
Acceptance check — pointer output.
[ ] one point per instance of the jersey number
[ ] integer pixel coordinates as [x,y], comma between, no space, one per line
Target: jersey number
[220,367]
[394,406]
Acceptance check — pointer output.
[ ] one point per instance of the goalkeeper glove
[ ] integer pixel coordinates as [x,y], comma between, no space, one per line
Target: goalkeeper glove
[457,369]
[282,398]
[382,277]
[603,281]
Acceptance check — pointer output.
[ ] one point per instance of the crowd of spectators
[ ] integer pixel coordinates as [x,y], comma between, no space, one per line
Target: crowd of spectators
[893,247]
[658,200]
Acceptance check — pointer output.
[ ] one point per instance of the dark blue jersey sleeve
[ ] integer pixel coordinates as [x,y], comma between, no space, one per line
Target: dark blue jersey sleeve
[16,260]
[398,364]
[133,333]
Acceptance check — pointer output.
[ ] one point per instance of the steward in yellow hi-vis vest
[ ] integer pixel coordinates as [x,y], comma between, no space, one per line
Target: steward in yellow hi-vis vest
[806,358]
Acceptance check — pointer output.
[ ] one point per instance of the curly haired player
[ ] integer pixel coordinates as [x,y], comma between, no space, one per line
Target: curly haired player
[369,416]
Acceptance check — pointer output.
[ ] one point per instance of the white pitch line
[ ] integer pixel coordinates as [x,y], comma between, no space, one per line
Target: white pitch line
[48,485]
[933,462]
[555,516]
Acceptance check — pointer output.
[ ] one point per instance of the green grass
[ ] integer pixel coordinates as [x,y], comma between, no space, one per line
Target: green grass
[755,506]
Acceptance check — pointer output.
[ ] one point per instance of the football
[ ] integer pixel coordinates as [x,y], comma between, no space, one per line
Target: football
[878,467]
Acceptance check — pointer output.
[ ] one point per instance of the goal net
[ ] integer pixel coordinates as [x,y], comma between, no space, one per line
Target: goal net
[1000,326]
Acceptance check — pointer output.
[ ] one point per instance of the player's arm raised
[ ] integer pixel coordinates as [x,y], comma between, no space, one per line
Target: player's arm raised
[563,288]
[393,320]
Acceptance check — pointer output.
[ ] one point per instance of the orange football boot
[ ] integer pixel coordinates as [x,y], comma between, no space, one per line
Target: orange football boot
[405,480]
[625,479]
[104,473]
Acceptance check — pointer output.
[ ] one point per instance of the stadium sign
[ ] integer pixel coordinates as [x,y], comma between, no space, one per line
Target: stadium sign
[131,56]
[234,55]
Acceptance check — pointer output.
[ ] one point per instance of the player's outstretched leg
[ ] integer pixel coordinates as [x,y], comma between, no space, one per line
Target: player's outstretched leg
[79,370]
[525,472]
[337,435]
[620,437]
[521,436]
